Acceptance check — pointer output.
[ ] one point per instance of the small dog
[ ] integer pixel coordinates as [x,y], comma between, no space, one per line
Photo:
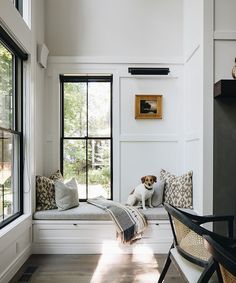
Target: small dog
[143,192]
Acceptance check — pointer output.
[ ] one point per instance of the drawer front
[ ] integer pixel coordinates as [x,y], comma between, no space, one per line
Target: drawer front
[158,233]
[73,233]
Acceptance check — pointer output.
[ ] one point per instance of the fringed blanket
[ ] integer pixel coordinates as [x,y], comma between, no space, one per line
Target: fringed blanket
[129,221]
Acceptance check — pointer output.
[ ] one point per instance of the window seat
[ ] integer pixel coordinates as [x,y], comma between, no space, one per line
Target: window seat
[88,229]
[86,211]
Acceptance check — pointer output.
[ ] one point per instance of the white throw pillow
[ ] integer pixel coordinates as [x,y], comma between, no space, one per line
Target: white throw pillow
[66,195]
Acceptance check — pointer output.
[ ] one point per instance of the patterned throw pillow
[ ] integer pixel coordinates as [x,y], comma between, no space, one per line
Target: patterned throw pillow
[178,189]
[45,191]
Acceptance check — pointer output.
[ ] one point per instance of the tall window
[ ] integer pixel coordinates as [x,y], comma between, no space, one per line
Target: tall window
[11,151]
[86,133]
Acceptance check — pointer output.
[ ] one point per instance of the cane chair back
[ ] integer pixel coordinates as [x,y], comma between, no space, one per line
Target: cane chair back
[227,276]
[190,243]
[224,254]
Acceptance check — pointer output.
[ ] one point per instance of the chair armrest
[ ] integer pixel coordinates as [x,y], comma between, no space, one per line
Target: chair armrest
[214,218]
[208,218]
[229,243]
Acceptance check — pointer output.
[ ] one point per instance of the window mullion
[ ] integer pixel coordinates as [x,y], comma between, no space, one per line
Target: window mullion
[62,129]
[87,169]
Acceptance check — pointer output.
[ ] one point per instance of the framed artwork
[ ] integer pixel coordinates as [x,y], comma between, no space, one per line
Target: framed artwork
[148,106]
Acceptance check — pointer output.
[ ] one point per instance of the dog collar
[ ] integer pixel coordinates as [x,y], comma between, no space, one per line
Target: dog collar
[148,188]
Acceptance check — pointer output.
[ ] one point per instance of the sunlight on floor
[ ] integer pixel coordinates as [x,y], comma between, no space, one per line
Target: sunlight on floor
[146,253]
[149,277]
[113,261]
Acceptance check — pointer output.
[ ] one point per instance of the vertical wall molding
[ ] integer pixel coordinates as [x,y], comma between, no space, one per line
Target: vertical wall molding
[208,82]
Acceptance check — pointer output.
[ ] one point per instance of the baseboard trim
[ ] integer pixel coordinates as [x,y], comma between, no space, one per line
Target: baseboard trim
[11,270]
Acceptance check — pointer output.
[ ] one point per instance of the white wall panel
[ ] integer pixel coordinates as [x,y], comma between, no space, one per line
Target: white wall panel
[112,28]
[38,26]
[225,19]
[225,54]
[172,102]
[193,161]
[142,158]
[15,246]
[193,25]
[225,43]
[193,94]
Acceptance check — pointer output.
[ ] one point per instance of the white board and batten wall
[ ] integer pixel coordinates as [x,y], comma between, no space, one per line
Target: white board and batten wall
[210,51]
[193,94]
[198,91]
[107,44]
[140,147]
[182,140]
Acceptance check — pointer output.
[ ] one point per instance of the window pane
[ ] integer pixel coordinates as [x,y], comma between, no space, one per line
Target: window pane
[9,174]
[6,87]
[75,109]
[99,104]
[99,169]
[75,163]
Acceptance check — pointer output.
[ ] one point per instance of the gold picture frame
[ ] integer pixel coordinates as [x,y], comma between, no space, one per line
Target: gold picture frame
[148,106]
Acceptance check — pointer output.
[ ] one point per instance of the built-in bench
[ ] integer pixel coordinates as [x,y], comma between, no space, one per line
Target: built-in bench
[88,229]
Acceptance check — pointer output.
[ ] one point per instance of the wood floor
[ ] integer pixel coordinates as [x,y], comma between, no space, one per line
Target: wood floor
[105,268]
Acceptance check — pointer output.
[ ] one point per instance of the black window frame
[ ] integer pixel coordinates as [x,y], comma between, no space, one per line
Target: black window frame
[19,5]
[86,79]
[17,129]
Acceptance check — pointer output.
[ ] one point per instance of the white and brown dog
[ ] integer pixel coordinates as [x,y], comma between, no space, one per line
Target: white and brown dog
[143,192]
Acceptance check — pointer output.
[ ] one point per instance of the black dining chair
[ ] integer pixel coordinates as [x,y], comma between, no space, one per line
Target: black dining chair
[188,252]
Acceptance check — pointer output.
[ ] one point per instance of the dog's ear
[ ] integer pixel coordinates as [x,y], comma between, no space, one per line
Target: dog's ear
[154,178]
[143,179]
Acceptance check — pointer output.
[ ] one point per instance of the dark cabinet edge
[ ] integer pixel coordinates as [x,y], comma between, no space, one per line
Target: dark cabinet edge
[225,88]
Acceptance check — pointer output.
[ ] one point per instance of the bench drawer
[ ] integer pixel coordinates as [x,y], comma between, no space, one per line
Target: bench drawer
[73,233]
[88,237]
[158,232]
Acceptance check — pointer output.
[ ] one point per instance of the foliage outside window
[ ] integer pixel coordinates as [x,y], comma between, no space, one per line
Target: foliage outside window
[86,142]
[11,169]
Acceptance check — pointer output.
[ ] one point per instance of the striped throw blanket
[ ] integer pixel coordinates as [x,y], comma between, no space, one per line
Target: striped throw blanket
[129,221]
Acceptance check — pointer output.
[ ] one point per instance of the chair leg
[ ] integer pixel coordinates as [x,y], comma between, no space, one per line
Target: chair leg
[166,266]
[207,273]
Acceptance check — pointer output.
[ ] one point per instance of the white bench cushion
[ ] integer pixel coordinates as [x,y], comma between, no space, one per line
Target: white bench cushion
[87,211]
